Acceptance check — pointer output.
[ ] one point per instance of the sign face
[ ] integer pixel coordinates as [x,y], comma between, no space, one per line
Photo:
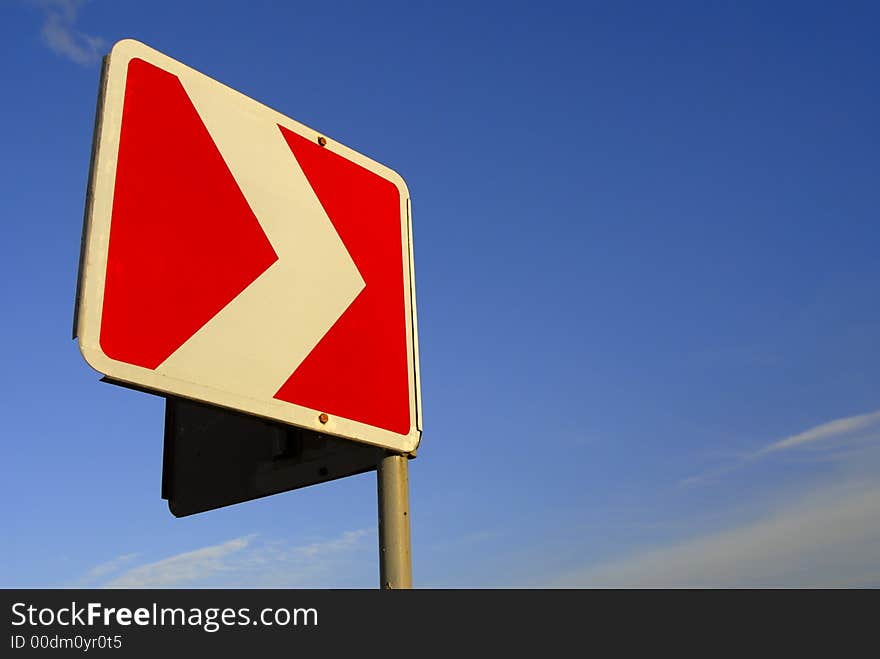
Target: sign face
[234,256]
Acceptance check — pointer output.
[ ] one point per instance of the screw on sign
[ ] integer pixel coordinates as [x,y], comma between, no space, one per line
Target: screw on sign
[237,257]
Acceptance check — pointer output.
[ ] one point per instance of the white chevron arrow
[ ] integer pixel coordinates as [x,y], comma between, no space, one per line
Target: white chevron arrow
[254,343]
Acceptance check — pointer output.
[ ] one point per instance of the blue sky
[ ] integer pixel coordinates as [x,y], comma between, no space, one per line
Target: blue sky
[646,247]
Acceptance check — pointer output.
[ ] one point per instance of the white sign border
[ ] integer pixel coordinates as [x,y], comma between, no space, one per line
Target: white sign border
[93,267]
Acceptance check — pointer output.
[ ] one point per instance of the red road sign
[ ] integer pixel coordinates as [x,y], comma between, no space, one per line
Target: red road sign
[235,256]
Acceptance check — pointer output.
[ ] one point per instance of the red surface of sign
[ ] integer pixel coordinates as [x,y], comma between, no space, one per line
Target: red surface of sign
[183,239]
[359,369]
[184,243]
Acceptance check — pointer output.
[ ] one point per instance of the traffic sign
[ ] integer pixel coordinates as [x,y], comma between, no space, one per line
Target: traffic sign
[234,256]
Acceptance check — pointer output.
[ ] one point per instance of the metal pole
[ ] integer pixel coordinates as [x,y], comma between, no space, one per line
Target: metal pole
[395,559]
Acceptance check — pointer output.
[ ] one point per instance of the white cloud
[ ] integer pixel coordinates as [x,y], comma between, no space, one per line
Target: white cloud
[337,562]
[827,540]
[839,430]
[827,534]
[61,36]
[253,562]
[186,568]
[820,532]
[823,432]
[103,569]
[345,542]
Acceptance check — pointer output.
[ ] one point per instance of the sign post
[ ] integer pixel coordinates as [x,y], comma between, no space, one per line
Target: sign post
[395,559]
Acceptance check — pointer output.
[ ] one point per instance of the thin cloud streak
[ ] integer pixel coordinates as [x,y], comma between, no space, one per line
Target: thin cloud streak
[103,569]
[183,568]
[247,561]
[824,432]
[345,542]
[61,36]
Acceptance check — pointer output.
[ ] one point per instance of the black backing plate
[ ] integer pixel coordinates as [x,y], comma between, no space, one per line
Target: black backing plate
[216,457]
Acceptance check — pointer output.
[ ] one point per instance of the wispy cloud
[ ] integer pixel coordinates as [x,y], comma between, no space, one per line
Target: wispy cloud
[103,569]
[61,35]
[824,533]
[186,568]
[827,540]
[345,542]
[336,562]
[247,561]
[837,430]
[823,432]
